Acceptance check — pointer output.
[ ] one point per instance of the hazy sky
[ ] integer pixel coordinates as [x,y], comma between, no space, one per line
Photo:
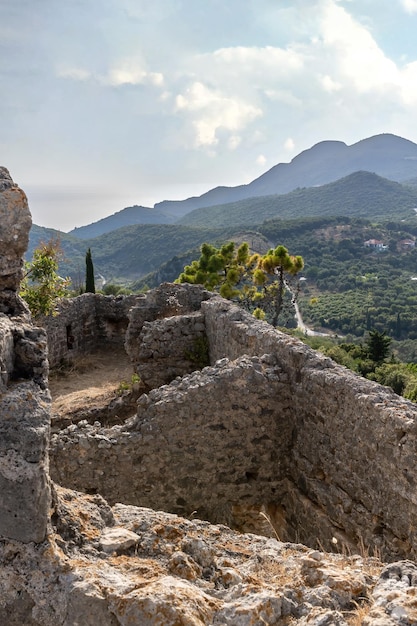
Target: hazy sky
[109,103]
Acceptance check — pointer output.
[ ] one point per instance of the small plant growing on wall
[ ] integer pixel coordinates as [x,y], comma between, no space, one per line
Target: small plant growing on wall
[128,386]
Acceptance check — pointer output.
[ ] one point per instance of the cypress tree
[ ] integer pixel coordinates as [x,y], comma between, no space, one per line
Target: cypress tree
[89,273]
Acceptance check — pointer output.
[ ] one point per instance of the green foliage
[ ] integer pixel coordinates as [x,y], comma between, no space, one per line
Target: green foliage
[377,346]
[111,289]
[349,288]
[259,313]
[42,285]
[401,377]
[89,273]
[125,386]
[220,269]
[255,281]
[129,253]
[273,273]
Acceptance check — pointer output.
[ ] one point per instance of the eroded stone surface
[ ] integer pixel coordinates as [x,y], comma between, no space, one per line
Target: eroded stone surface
[15,223]
[183,572]
[24,399]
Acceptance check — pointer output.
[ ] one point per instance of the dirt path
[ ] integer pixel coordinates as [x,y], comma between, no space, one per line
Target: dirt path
[94,380]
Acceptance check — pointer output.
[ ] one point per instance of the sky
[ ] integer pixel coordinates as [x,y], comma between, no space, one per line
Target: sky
[109,103]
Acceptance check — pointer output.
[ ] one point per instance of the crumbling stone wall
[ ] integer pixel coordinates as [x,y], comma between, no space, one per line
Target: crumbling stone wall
[165,301]
[85,324]
[171,347]
[320,453]
[24,398]
[198,444]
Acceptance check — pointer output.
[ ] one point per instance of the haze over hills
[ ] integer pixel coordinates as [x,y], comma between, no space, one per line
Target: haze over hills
[126,217]
[361,194]
[386,155]
[125,248]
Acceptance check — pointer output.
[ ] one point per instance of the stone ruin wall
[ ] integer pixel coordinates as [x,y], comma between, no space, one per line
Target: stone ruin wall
[248,425]
[85,324]
[270,423]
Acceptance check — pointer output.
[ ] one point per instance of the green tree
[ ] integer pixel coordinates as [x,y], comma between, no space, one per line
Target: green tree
[41,285]
[273,273]
[89,273]
[377,346]
[257,282]
[219,269]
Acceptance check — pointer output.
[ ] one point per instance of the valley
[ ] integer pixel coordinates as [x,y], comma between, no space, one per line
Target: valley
[326,205]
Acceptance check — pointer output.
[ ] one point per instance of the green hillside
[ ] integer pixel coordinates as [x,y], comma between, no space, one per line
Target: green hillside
[361,194]
[347,287]
[126,217]
[128,253]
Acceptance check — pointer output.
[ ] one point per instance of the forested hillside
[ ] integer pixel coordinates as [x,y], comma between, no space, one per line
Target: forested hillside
[128,253]
[387,155]
[349,286]
[361,194]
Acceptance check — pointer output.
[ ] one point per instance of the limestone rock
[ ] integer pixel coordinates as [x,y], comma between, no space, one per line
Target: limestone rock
[118,539]
[15,223]
[24,481]
[24,399]
[182,572]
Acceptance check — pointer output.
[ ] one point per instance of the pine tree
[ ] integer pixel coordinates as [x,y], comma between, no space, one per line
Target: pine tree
[89,273]
[253,280]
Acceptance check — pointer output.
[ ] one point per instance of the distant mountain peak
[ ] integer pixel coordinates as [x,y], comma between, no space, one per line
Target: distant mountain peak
[386,154]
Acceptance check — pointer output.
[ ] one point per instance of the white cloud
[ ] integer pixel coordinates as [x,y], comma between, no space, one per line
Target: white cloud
[233,142]
[410,6]
[245,82]
[289,144]
[409,84]
[329,84]
[131,71]
[349,48]
[268,59]
[213,111]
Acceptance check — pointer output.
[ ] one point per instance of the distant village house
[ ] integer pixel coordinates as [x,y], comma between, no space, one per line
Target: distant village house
[376,245]
[406,244]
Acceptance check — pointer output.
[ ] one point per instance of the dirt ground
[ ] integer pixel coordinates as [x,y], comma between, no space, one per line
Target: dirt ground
[92,380]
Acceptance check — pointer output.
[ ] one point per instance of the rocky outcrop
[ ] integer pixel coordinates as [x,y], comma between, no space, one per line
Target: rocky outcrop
[24,398]
[126,565]
[15,223]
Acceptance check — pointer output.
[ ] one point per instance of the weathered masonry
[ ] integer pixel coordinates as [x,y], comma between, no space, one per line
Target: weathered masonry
[268,423]
[85,324]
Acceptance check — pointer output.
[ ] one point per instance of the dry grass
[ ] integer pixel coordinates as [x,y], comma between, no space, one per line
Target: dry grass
[268,519]
[89,380]
[356,617]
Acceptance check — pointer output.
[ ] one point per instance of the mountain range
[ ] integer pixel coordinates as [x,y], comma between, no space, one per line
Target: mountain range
[385,155]
[374,179]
